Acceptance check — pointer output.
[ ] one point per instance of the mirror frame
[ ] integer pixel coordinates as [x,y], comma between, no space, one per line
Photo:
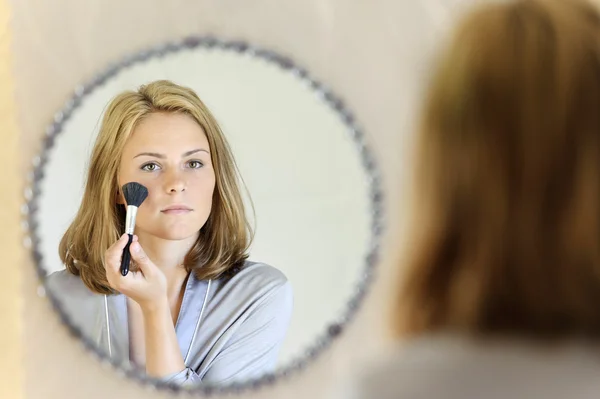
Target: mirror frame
[335,328]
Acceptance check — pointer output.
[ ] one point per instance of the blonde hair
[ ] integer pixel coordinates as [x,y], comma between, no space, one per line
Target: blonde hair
[508,225]
[224,239]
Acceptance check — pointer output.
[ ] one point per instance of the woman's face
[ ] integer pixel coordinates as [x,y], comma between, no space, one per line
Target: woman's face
[169,154]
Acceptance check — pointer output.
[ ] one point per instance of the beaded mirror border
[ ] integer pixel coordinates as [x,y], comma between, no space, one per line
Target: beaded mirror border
[331,331]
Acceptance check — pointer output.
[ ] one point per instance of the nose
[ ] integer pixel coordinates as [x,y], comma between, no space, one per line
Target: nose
[175,182]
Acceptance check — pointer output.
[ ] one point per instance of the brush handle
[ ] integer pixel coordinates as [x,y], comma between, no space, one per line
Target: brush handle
[126,258]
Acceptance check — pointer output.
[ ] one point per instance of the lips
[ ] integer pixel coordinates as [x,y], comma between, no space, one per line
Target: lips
[177,209]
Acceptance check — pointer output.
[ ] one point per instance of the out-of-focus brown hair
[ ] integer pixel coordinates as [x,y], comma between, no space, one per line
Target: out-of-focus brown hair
[507,224]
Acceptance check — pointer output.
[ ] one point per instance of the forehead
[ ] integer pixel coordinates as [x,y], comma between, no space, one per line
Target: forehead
[162,131]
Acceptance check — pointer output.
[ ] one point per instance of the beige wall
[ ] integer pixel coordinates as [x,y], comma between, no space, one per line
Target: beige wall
[371,53]
[11,365]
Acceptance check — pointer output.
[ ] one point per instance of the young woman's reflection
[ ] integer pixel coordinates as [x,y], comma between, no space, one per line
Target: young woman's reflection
[193,308]
[501,293]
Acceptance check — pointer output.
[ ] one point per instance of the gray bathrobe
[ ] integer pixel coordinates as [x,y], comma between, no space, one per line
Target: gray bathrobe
[229,329]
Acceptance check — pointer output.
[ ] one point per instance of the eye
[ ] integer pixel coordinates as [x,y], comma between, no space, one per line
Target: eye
[195,164]
[149,167]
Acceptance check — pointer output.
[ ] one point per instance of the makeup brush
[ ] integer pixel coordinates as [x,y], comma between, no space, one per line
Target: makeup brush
[134,194]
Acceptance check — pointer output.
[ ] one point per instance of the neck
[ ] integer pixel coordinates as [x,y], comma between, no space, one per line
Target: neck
[168,256]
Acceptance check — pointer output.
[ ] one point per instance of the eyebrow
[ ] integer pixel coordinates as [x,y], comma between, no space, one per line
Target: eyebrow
[162,156]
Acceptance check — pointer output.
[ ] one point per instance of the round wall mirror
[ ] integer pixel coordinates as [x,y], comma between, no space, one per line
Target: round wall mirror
[312,196]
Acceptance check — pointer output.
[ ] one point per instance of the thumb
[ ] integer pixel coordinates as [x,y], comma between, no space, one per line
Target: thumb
[141,259]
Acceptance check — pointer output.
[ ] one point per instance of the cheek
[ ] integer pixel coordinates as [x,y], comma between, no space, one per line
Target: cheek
[203,194]
[152,200]
[205,184]
[154,189]
[123,178]
[209,190]
[210,186]
[149,205]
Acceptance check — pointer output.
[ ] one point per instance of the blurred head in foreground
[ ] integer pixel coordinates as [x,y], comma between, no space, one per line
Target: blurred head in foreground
[507,226]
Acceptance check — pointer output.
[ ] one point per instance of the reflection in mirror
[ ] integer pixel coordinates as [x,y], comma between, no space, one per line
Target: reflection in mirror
[254,244]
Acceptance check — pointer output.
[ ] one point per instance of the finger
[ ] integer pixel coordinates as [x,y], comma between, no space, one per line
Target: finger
[113,255]
[117,247]
[135,238]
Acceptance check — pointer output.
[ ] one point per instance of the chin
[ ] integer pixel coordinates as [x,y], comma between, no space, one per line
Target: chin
[179,231]
[179,235]
[176,234]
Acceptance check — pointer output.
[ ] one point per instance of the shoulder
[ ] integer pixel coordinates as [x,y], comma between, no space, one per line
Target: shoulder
[474,366]
[256,281]
[61,282]
[77,302]
[261,277]
[258,273]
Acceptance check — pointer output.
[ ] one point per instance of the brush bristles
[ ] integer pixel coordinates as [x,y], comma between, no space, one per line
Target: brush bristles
[134,193]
